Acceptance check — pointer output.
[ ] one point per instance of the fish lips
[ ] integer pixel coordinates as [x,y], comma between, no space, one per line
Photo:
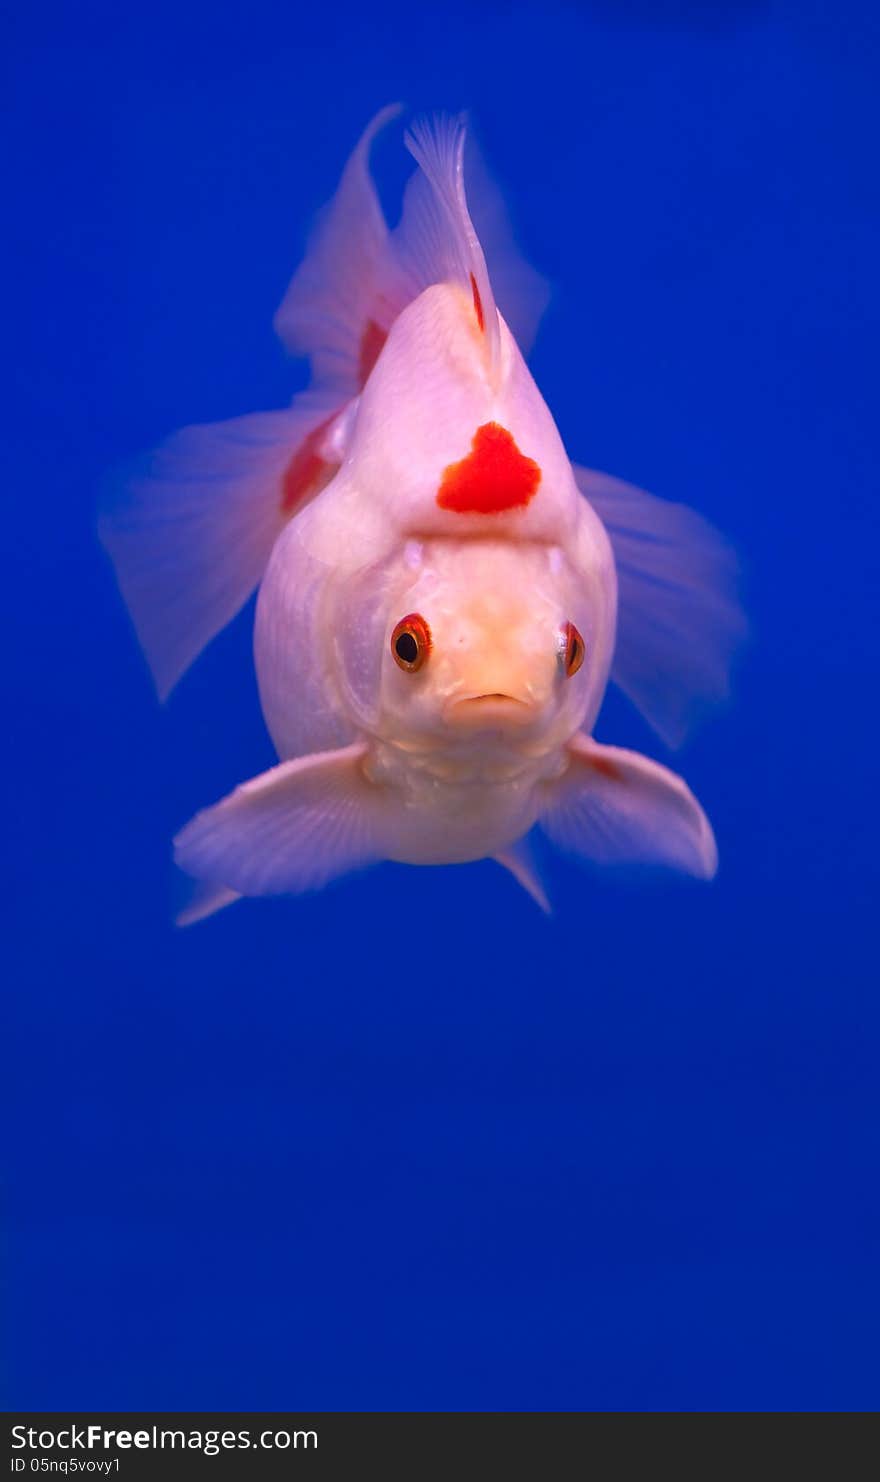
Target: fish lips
[492,711]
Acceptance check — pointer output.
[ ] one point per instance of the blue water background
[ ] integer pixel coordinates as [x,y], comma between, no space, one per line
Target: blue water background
[407,1144]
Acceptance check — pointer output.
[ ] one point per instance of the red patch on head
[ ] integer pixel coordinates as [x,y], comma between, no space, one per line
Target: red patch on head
[372,340]
[307,472]
[494,476]
[606,769]
[478,303]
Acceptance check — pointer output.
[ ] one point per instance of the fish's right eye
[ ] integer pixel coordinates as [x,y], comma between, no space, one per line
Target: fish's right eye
[411,642]
[573,649]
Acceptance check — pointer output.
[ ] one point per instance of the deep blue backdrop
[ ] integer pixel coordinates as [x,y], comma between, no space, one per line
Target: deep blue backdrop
[407,1144]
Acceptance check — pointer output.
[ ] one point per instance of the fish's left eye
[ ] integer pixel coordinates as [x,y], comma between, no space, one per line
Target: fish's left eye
[573,649]
[411,642]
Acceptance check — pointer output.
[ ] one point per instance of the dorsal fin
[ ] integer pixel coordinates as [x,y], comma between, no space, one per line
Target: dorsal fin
[521,293]
[436,241]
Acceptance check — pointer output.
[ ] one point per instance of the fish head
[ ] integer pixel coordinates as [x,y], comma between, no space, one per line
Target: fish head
[467,638]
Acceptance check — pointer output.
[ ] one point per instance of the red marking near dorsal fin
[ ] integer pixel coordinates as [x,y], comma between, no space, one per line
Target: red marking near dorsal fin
[478,304]
[372,340]
[308,472]
[605,768]
[494,476]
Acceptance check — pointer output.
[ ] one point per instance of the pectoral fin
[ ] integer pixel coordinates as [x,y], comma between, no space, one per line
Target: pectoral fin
[292,829]
[614,806]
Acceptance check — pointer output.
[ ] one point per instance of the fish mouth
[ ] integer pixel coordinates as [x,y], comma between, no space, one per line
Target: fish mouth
[491,709]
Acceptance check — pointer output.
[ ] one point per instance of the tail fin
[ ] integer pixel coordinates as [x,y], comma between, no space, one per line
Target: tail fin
[341,303]
[679,621]
[191,529]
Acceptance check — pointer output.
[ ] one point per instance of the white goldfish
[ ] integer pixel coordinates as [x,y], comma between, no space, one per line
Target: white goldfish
[442,595]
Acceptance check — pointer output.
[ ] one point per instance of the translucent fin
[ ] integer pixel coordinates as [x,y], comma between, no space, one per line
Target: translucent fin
[436,241]
[518,861]
[521,293]
[352,284]
[336,310]
[614,806]
[190,529]
[293,829]
[679,619]
[204,901]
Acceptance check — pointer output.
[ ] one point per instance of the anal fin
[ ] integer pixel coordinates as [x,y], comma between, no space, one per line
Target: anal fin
[204,901]
[518,860]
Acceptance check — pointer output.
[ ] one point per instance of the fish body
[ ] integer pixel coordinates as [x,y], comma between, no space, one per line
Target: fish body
[443,596]
[496,590]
